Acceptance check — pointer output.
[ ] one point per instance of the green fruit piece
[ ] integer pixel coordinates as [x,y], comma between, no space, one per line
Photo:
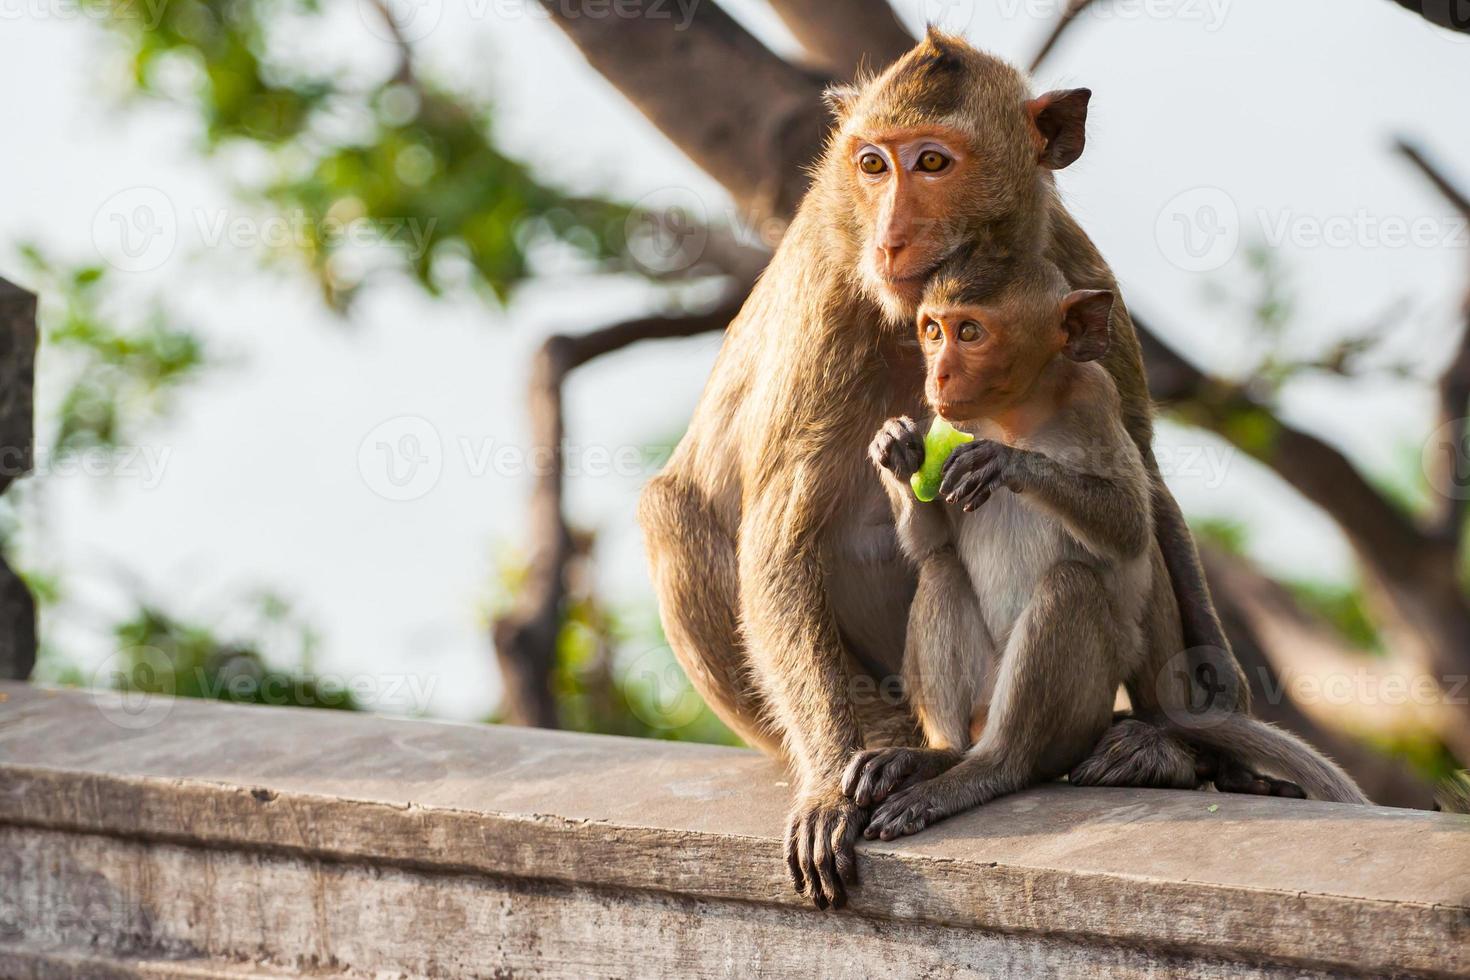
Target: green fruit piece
[942,440]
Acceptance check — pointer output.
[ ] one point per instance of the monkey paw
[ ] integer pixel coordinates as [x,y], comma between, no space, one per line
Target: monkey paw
[977,469]
[898,447]
[905,812]
[875,773]
[1230,776]
[821,836]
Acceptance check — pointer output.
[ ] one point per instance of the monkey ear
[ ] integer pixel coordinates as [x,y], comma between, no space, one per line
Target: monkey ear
[1085,315]
[1059,122]
[840,99]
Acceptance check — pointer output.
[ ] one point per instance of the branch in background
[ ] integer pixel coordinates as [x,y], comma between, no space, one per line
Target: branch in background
[747,118]
[1445,13]
[1454,383]
[1279,645]
[526,636]
[1074,10]
[17,374]
[845,37]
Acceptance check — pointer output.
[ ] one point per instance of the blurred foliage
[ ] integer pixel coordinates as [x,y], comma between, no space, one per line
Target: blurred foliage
[399,161]
[1344,607]
[115,379]
[160,654]
[614,674]
[1267,304]
[1227,534]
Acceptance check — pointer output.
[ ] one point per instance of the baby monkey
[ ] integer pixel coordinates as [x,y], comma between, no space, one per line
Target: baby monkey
[1034,562]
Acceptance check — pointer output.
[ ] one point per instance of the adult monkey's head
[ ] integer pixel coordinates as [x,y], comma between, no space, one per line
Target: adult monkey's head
[946,147]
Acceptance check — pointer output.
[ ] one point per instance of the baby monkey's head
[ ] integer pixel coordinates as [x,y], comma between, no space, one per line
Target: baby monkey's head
[991,329]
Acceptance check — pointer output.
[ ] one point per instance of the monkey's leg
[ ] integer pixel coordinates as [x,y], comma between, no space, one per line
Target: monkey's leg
[693,562]
[1053,699]
[947,664]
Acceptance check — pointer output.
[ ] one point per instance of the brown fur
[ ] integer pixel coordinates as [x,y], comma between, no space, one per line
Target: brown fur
[772,548]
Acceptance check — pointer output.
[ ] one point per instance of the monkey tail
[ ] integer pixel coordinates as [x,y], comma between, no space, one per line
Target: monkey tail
[1262,746]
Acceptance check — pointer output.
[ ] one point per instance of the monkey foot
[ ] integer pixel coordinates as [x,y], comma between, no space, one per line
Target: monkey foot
[905,812]
[875,773]
[1230,776]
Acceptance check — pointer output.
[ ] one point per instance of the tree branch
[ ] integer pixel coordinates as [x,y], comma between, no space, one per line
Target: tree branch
[846,36]
[1069,16]
[750,120]
[1454,382]
[1449,14]
[525,637]
[1279,645]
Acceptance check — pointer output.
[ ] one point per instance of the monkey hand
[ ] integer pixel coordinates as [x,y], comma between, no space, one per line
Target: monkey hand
[873,774]
[898,447]
[907,812]
[977,469]
[820,839]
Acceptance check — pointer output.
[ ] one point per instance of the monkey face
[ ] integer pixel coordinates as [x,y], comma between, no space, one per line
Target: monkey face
[981,359]
[984,358]
[906,182]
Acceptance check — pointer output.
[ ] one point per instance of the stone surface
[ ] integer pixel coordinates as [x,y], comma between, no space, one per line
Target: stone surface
[197,836]
[17,374]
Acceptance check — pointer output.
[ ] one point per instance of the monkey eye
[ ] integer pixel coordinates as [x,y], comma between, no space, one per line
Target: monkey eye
[932,331]
[932,161]
[970,331]
[872,163]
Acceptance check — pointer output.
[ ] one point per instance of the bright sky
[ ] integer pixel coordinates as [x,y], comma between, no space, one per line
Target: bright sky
[1214,123]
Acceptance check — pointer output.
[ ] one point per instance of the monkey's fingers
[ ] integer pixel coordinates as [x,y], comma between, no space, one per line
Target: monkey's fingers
[793,859]
[805,831]
[1287,789]
[824,861]
[844,841]
[1232,777]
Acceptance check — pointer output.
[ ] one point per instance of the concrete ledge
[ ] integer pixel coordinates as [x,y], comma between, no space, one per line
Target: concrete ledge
[200,839]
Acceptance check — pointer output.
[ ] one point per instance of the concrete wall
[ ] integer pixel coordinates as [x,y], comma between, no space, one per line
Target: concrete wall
[179,838]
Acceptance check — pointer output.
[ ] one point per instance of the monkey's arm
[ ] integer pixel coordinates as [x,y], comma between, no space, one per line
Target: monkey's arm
[897,453]
[1104,506]
[792,638]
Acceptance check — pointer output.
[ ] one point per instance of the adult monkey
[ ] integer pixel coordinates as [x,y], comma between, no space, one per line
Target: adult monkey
[771,542]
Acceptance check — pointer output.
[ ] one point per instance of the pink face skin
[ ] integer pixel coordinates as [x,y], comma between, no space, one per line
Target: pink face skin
[906,178]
